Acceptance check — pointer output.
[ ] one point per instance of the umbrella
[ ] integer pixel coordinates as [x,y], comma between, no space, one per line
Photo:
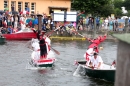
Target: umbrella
[14,12]
[1,12]
[33,15]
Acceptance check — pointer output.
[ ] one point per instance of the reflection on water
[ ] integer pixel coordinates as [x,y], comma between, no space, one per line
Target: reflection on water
[14,56]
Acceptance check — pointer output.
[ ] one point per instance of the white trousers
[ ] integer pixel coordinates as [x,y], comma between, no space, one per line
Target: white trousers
[35,55]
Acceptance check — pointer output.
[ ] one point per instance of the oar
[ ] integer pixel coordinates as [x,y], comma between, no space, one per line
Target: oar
[52,32]
[55,51]
[80,34]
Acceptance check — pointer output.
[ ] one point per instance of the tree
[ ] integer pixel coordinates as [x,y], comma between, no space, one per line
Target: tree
[107,10]
[126,4]
[90,6]
[118,12]
[118,3]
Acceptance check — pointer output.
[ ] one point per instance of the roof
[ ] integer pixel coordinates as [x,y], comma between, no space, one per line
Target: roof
[58,7]
[123,37]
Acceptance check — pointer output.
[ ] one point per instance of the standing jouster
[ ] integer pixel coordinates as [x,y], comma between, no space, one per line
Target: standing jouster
[42,43]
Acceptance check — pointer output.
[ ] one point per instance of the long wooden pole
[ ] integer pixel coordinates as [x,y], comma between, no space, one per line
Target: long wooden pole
[39,21]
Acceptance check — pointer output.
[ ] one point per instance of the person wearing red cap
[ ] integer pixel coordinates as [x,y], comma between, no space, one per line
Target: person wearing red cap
[97,41]
[89,53]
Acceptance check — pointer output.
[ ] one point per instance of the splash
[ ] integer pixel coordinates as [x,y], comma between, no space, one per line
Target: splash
[77,71]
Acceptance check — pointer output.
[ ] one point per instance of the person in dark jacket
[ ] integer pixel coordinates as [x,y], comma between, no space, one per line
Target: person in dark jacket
[42,43]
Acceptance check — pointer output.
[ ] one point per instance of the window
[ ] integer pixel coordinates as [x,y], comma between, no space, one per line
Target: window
[6,3]
[33,7]
[13,4]
[26,4]
[19,6]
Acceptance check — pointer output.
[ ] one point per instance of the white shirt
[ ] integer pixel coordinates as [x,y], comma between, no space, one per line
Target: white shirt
[48,41]
[96,61]
[35,46]
[24,12]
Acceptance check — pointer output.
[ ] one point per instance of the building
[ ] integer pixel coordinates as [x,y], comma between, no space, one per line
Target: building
[37,6]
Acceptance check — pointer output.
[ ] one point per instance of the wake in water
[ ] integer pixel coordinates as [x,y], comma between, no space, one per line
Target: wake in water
[79,71]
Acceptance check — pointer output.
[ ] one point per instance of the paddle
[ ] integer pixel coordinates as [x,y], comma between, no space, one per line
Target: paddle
[51,32]
[80,34]
[55,51]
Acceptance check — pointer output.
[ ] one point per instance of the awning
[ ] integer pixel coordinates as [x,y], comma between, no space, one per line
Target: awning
[53,7]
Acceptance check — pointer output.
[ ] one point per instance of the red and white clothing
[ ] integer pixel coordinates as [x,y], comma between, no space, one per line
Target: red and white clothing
[50,53]
[36,50]
[95,62]
[15,30]
[88,55]
[97,41]
[24,12]
[48,42]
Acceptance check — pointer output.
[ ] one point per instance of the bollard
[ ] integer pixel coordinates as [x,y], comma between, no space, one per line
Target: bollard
[39,21]
[123,60]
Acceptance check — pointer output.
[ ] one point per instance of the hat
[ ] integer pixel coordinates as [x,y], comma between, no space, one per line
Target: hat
[94,47]
[95,54]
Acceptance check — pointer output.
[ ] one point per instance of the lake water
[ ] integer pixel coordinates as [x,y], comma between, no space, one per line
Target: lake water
[14,56]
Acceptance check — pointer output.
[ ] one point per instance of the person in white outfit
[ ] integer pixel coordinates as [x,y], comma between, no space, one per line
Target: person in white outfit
[36,50]
[96,62]
[89,53]
[50,53]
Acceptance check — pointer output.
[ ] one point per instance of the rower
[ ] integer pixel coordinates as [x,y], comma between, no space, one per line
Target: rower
[96,61]
[89,53]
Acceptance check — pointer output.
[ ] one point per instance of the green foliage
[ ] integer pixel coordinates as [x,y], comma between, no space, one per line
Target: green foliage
[118,12]
[126,4]
[118,4]
[107,10]
[90,6]
[128,14]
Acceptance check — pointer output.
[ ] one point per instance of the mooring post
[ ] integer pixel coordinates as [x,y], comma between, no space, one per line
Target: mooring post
[95,28]
[126,25]
[123,60]
[39,21]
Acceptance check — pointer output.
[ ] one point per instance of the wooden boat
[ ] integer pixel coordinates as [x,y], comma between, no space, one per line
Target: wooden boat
[2,40]
[41,64]
[45,63]
[107,73]
[20,36]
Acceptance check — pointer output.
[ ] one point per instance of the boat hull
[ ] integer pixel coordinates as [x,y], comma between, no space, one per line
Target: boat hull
[20,36]
[42,64]
[46,65]
[105,74]
[2,40]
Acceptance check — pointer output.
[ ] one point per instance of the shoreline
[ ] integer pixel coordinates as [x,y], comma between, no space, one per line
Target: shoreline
[67,36]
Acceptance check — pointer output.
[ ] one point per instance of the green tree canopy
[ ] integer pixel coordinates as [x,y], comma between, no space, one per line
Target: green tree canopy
[126,4]
[118,3]
[90,6]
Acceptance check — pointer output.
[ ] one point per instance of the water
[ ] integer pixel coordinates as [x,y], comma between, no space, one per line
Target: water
[14,56]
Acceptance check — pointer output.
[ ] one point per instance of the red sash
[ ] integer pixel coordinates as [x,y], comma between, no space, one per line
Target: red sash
[87,56]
